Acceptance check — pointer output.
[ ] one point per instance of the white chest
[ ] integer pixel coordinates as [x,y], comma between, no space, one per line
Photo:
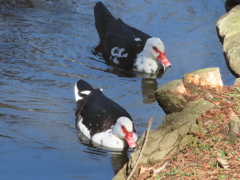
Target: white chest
[146,65]
[109,140]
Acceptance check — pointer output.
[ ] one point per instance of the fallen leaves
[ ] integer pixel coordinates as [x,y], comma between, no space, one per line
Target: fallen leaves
[221,161]
[147,172]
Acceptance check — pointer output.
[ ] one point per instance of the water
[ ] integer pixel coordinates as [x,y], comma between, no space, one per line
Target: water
[47,46]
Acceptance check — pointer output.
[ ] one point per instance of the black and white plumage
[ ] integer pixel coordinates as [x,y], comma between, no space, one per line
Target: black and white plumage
[101,119]
[128,47]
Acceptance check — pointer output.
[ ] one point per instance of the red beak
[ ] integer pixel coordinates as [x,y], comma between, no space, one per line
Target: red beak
[163,58]
[130,140]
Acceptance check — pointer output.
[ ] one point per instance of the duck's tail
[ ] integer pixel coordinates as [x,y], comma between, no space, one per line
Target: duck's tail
[82,89]
[102,16]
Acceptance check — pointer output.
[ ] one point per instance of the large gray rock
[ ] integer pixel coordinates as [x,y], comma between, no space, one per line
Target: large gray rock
[229,30]
[234,126]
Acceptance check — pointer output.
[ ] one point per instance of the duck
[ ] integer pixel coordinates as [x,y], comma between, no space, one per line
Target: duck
[102,120]
[128,47]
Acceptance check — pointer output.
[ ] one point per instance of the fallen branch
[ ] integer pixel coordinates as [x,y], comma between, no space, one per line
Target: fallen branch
[144,144]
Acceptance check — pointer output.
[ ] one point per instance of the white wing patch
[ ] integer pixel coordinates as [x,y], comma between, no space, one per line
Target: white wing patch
[137,39]
[117,52]
[115,60]
[86,92]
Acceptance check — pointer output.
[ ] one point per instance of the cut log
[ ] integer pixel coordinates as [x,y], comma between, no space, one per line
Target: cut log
[209,77]
[172,96]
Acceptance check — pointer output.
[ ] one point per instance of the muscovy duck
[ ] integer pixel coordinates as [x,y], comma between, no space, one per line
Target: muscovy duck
[128,47]
[101,119]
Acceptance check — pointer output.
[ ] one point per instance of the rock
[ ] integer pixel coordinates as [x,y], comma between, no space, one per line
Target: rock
[197,128]
[121,174]
[234,128]
[187,117]
[169,140]
[228,24]
[229,30]
[134,157]
[237,82]
[209,77]
[184,128]
[172,133]
[174,96]
[186,139]
[157,155]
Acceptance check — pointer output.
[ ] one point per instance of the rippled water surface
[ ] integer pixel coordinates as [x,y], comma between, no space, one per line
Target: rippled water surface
[47,46]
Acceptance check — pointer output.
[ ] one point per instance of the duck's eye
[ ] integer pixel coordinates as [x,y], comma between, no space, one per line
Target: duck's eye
[124,129]
[155,48]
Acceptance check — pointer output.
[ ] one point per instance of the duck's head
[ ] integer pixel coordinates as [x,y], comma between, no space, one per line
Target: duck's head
[124,129]
[154,49]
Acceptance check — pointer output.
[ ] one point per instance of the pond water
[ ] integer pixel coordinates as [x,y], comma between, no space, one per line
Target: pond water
[47,46]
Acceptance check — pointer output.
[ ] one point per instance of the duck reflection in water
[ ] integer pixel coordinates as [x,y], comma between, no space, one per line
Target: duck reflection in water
[95,151]
[149,81]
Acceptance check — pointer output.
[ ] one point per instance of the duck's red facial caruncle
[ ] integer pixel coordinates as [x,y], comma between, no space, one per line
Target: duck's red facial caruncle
[162,57]
[129,137]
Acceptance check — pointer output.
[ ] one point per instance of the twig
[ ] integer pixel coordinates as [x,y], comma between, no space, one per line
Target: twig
[238,135]
[197,134]
[144,144]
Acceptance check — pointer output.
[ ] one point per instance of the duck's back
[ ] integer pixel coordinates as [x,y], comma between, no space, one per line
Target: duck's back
[120,42]
[98,112]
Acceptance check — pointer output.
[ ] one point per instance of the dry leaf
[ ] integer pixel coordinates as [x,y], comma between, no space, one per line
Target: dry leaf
[145,172]
[160,168]
[143,169]
[221,161]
